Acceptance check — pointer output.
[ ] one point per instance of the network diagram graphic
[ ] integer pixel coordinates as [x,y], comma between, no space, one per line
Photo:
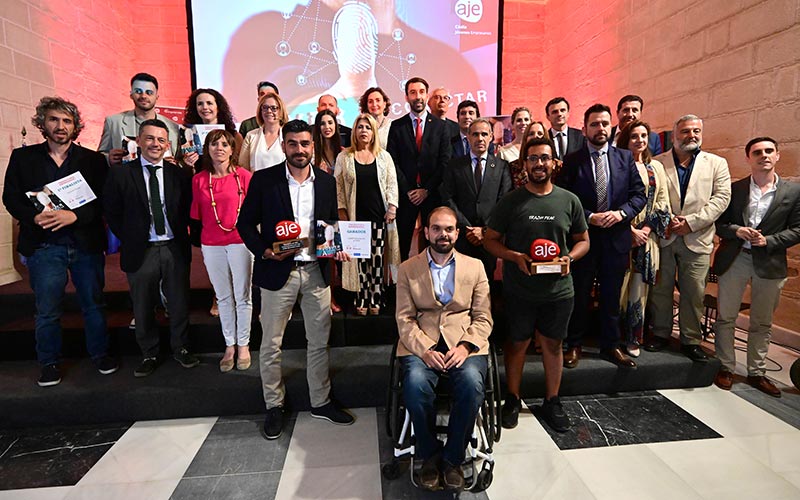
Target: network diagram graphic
[350,41]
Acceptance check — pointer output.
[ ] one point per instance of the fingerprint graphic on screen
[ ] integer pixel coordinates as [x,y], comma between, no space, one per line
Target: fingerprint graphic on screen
[355,37]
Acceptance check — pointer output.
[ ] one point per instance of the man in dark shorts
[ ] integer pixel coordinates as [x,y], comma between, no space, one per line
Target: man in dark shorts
[536,303]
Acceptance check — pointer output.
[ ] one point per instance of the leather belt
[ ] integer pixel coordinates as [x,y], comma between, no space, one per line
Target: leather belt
[160,243]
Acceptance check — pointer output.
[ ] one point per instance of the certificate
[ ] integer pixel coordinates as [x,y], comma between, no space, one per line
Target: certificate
[356,238]
[73,190]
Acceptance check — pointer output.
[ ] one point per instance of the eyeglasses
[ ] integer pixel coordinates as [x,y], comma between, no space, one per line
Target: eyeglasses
[441,97]
[272,109]
[535,159]
[139,91]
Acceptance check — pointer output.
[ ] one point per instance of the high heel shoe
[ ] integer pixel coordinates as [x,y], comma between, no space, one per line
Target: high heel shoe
[375,311]
[361,311]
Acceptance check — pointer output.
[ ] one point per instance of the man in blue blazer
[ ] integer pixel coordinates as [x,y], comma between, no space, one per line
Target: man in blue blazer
[302,194]
[611,191]
[629,109]
[420,147]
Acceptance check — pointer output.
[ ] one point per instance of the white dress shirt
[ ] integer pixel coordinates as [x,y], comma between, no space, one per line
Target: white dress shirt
[555,133]
[302,195]
[759,203]
[168,235]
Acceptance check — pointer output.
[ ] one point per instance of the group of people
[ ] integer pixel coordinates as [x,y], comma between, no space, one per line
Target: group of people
[610,209]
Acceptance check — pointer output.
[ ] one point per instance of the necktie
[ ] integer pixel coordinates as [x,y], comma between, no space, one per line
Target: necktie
[466,145]
[418,135]
[601,181]
[561,147]
[478,174]
[156,207]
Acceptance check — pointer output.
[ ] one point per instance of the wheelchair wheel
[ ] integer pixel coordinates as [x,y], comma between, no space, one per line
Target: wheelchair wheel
[483,481]
[393,396]
[493,399]
[393,470]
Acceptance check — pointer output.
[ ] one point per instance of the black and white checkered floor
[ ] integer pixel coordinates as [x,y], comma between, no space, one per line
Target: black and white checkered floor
[701,443]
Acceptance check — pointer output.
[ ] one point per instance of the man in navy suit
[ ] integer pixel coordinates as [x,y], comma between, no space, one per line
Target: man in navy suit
[629,109]
[297,192]
[565,138]
[611,191]
[147,206]
[420,148]
[472,185]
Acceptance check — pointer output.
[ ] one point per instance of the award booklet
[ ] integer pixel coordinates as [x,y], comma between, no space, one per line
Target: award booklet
[351,237]
[328,238]
[129,144]
[69,192]
[192,138]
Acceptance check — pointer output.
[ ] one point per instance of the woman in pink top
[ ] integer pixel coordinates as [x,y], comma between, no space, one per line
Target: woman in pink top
[217,195]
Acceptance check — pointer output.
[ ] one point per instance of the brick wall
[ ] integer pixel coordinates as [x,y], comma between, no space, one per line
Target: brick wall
[84,51]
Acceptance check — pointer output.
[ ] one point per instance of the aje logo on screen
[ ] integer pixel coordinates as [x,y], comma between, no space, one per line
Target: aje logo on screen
[470,11]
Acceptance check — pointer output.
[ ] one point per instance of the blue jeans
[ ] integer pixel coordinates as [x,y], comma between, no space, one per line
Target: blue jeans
[48,267]
[466,394]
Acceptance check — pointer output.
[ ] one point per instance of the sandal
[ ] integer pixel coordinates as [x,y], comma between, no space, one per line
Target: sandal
[361,311]
[375,311]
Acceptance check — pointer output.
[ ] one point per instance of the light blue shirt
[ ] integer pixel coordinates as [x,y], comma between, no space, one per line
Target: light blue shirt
[444,278]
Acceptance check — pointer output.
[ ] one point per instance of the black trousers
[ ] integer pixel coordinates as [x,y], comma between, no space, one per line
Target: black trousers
[407,214]
[165,264]
[608,266]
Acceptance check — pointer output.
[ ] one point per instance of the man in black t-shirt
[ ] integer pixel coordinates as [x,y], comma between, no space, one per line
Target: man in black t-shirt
[536,303]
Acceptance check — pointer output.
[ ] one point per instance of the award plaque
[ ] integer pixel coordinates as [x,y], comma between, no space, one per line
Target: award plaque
[544,252]
[288,234]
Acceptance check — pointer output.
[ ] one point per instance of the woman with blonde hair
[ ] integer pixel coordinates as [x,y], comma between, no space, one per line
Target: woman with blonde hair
[262,146]
[366,186]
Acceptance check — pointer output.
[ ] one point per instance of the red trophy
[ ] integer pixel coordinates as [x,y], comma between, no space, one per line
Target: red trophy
[544,252]
[288,234]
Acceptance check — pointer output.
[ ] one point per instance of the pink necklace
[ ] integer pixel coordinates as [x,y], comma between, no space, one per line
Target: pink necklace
[214,203]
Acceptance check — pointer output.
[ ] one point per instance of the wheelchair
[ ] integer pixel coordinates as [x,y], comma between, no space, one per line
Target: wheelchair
[479,464]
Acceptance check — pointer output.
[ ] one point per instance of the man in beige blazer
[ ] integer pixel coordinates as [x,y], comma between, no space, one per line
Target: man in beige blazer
[699,186]
[144,94]
[444,321]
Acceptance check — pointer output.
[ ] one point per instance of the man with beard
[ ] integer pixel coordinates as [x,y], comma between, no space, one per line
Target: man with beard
[699,185]
[439,104]
[147,207]
[607,183]
[296,192]
[144,94]
[420,148]
[629,109]
[536,303]
[61,243]
[443,330]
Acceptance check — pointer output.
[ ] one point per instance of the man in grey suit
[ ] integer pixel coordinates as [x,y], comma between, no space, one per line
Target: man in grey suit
[471,186]
[760,224]
[144,94]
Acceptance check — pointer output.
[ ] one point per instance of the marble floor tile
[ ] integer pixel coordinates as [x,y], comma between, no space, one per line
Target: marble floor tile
[246,486]
[235,446]
[541,474]
[150,490]
[151,451]
[54,493]
[779,452]
[786,408]
[319,443]
[725,412]
[792,477]
[646,475]
[43,457]
[716,468]
[529,436]
[360,482]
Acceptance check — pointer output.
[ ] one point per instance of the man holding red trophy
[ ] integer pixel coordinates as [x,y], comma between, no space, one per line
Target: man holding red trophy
[538,230]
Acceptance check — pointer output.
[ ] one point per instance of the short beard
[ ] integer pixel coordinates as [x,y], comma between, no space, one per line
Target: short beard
[690,147]
[442,249]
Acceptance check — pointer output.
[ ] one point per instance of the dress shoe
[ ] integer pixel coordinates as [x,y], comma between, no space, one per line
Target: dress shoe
[427,477]
[695,353]
[617,357]
[764,385]
[572,356]
[452,477]
[724,380]
[656,344]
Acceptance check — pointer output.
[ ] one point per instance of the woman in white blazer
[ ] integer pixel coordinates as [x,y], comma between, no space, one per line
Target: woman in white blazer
[262,146]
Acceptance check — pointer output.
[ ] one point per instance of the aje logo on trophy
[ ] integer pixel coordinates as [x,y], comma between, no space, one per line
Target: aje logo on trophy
[544,253]
[288,234]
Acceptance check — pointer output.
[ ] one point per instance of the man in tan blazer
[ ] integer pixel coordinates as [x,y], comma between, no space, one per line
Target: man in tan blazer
[144,94]
[444,321]
[699,186]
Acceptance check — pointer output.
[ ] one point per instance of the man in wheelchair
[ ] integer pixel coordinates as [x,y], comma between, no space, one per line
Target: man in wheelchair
[444,321]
